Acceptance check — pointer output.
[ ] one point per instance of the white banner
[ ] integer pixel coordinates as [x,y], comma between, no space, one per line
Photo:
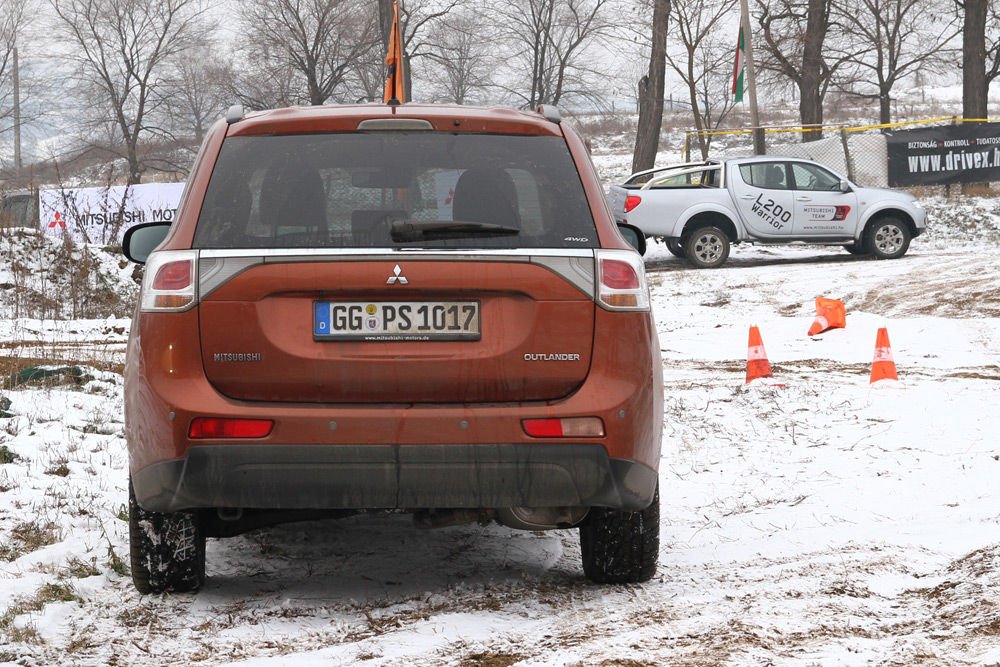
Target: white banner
[102,215]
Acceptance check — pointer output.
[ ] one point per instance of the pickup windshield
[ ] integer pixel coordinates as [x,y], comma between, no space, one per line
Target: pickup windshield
[395,189]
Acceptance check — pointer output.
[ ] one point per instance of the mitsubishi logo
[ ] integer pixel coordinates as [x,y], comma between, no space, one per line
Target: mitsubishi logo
[396,271]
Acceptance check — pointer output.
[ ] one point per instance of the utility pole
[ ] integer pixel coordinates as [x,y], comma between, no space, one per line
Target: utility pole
[758,131]
[17,118]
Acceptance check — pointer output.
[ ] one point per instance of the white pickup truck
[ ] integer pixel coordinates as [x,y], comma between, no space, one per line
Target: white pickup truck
[702,208]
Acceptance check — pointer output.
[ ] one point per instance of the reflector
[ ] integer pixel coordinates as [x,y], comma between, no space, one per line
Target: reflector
[213,427]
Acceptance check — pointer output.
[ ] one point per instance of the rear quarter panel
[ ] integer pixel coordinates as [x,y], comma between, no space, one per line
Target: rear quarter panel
[664,212]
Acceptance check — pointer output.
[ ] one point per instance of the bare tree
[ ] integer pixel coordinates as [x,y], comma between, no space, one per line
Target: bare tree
[650,94]
[367,78]
[461,52]
[992,43]
[258,83]
[794,34]
[122,51]
[196,94]
[698,61]
[15,15]
[715,88]
[888,40]
[550,41]
[302,50]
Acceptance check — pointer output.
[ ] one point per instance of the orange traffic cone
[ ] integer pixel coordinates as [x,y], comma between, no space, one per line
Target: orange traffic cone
[829,315]
[883,366]
[757,363]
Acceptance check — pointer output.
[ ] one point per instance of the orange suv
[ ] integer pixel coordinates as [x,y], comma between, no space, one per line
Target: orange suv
[376,307]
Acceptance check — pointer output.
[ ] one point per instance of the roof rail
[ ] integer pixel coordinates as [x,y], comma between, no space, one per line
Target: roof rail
[234,114]
[550,112]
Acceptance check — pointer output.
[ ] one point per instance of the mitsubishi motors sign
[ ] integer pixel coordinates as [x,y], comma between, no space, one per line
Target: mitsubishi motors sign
[102,215]
[966,153]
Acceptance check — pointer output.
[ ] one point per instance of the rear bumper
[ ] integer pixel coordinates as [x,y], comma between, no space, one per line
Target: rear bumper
[394,476]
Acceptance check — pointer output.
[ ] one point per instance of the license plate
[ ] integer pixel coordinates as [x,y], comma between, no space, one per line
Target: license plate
[396,320]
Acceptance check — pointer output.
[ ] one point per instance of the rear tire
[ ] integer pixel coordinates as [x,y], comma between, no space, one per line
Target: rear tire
[621,547]
[706,247]
[676,248]
[167,550]
[887,238]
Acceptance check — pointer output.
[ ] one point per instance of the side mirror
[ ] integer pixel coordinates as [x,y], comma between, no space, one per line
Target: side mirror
[844,185]
[141,240]
[634,236]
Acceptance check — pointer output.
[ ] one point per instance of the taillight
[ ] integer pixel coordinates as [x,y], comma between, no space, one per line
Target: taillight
[173,276]
[170,282]
[621,280]
[631,202]
[569,427]
[617,274]
[212,427]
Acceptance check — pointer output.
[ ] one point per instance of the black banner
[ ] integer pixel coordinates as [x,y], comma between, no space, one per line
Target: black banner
[964,153]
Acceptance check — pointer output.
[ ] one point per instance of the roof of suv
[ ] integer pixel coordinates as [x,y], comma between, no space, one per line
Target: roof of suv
[345,118]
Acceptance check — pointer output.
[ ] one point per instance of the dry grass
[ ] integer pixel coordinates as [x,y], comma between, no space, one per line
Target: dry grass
[78,569]
[26,537]
[7,456]
[489,659]
[26,633]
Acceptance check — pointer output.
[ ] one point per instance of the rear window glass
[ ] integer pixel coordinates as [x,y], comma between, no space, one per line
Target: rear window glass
[705,178]
[393,189]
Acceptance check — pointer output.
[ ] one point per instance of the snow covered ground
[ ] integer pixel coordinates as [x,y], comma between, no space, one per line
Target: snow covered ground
[826,522]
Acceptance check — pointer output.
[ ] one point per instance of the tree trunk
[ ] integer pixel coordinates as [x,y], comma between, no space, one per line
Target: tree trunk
[385,23]
[699,123]
[885,108]
[974,59]
[651,86]
[407,79]
[810,95]
[974,84]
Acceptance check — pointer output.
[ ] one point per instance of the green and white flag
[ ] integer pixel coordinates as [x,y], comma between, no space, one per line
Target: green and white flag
[741,59]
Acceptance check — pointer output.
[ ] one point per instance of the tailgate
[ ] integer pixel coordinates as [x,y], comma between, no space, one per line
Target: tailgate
[530,339]
[616,199]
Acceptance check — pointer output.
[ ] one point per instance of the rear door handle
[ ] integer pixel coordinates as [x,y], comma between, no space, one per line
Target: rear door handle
[746,196]
[805,198]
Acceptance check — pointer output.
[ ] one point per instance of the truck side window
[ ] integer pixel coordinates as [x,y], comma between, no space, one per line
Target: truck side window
[811,177]
[767,175]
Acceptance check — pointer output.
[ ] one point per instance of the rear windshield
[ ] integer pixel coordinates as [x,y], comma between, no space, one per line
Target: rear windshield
[393,189]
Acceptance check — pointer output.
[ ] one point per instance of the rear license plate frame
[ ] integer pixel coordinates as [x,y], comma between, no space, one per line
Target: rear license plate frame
[371,314]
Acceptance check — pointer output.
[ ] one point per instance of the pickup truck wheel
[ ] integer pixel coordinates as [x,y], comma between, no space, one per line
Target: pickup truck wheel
[887,238]
[706,247]
[621,547]
[167,550]
[856,248]
[675,247]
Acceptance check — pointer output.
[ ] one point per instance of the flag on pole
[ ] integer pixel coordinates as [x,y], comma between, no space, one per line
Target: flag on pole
[738,70]
[394,93]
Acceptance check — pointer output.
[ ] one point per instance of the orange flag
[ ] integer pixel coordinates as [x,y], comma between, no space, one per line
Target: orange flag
[394,93]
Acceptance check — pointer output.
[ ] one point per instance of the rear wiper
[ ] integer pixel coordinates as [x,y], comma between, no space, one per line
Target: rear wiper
[415,230]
